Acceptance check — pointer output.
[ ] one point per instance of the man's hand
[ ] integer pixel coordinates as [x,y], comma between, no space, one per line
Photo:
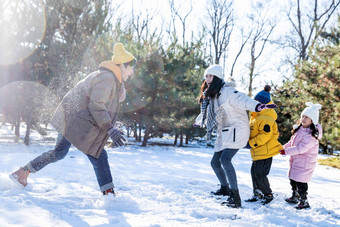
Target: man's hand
[117,137]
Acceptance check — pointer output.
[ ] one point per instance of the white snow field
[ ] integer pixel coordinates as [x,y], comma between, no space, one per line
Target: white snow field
[156,185]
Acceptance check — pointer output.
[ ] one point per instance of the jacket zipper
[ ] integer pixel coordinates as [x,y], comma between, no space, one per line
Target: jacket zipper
[234,133]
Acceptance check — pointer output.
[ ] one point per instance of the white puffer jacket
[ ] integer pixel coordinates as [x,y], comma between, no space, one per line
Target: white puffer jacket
[232,118]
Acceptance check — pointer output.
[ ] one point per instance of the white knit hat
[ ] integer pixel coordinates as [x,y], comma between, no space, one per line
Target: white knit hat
[312,111]
[215,70]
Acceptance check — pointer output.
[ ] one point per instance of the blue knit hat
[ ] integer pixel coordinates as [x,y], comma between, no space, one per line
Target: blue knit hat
[264,95]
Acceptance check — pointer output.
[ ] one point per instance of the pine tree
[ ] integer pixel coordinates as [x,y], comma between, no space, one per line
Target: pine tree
[184,67]
[316,80]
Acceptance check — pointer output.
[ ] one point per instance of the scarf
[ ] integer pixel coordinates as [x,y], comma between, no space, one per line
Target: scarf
[208,115]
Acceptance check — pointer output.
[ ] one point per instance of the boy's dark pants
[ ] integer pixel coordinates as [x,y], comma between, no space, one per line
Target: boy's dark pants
[259,172]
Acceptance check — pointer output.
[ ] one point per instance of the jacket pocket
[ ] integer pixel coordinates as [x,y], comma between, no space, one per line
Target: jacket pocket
[228,135]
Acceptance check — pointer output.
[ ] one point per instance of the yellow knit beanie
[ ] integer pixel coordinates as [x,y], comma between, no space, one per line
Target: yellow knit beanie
[120,55]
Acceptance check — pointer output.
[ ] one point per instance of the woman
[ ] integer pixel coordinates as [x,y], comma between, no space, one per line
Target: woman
[225,108]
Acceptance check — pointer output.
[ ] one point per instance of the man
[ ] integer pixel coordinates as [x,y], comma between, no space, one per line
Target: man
[86,117]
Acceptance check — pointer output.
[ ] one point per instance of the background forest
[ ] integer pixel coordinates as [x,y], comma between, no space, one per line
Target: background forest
[47,46]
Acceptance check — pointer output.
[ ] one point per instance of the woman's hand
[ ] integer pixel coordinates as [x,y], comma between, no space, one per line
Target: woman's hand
[261,107]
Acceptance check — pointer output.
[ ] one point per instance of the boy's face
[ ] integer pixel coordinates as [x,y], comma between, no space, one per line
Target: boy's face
[127,71]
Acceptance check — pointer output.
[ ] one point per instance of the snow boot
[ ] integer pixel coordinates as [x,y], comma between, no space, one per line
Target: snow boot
[256,197]
[109,191]
[294,198]
[267,199]
[223,191]
[303,204]
[234,200]
[21,176]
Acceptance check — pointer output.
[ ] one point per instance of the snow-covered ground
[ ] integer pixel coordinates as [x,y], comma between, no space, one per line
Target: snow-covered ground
[156,185]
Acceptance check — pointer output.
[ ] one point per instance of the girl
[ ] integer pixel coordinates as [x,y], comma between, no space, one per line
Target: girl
[225,107]
[303,150]
[264,145]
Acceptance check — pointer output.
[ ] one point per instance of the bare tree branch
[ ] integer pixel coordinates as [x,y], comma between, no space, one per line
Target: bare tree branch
[262,29]
[175,14]
[317,20]
[221,26]
[141,23]
[243,43]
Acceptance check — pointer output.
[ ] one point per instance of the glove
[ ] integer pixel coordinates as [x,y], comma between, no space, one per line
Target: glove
[261,107]
[282,152]
[117,137]
[248,146]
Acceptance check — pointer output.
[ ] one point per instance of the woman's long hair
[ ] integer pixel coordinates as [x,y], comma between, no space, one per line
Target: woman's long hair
[315,131]
[213,90]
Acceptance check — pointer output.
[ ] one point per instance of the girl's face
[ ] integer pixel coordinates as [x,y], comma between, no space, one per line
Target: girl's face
[306,121]
[208,79]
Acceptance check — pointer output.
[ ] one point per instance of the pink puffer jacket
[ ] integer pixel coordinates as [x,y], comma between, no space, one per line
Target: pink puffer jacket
[303,150]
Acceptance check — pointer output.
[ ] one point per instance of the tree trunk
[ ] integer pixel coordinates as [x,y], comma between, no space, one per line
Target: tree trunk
[128,132]
[186,138]
[181,138]
[140,133]
[27,136]
[252,68]
[324,148]
[146,136]
[135,132]
[176,137]
[17,129]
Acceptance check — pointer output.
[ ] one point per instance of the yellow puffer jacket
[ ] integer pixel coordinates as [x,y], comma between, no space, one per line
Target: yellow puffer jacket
[264,134]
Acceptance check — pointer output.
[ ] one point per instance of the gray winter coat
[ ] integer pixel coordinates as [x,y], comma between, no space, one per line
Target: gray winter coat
[232,119]
[89,109]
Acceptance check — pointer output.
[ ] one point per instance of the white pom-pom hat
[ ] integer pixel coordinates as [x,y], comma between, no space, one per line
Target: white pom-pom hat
[215,70]
[312,111]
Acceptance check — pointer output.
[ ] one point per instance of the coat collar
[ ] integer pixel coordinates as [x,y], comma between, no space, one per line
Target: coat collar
[302,129]
[109,65]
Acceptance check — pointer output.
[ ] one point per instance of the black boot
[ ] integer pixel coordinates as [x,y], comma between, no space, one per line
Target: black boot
[294,198]
[267,199]
[234,200]
[303,203]
[256,197]
[223,191]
